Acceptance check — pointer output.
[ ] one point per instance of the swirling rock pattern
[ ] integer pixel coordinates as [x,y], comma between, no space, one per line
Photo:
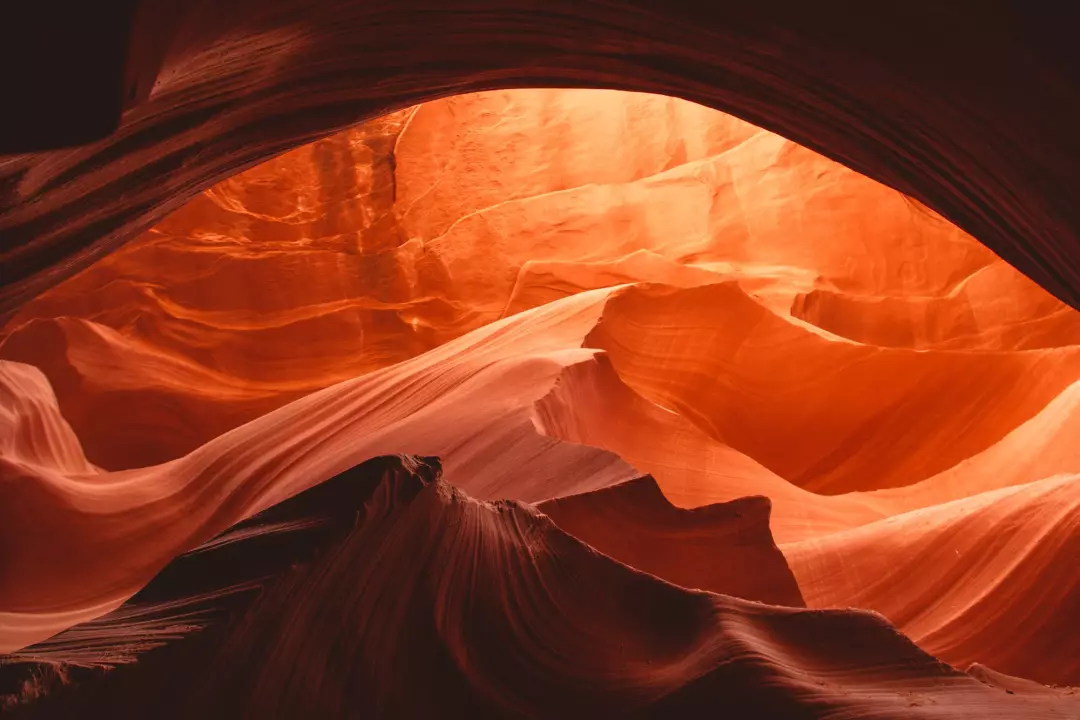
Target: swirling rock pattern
[394,237]
[665,359]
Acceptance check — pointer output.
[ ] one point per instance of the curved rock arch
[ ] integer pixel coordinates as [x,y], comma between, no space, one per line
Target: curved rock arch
[971,109]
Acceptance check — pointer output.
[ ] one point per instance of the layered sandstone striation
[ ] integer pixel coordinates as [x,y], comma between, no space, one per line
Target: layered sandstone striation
[682,377]
[498,610]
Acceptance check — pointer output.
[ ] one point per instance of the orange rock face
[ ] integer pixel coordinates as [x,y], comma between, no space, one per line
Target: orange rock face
[841,399]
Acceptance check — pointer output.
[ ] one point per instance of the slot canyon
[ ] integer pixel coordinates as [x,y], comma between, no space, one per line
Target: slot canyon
[492,398]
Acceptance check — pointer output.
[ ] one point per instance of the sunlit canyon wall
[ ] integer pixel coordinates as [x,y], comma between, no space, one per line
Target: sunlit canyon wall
[655,350]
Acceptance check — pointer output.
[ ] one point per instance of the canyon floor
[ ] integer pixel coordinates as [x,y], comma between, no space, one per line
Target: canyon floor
[543,403]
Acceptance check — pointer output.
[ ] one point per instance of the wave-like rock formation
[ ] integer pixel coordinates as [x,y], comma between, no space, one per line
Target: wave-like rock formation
[692,468]
[666,359]
[478,401]
[34,432]
[985,578]
[372,246]
[483,443]
[469,401]
[345,596]
[825,414]
[160,405]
